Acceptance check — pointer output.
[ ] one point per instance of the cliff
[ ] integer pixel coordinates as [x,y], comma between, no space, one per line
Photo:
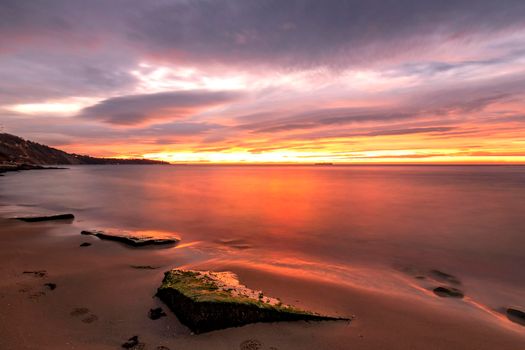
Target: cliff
[14,149]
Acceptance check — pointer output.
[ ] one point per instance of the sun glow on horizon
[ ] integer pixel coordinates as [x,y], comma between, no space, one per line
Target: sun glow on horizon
[293,157]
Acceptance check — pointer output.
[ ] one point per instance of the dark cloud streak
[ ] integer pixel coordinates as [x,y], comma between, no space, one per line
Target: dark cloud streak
[138,109]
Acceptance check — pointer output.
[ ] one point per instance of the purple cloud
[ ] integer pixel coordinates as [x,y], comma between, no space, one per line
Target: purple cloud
[140,109]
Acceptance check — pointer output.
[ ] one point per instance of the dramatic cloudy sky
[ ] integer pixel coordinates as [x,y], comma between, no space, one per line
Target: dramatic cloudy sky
[265,81]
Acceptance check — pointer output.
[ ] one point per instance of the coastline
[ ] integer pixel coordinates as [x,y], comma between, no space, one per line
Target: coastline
[5,168]
[100,278]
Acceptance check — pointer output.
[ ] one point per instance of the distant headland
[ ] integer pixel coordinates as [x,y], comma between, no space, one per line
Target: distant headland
[15,151]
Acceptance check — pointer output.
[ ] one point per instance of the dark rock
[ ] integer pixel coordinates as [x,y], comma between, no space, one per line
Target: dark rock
[207,301]
[85,244]
[144,267]
[157,313]
[135,241]
[133,343]
[448,292]
[38,273]
[516,315]
[46,218]
[51,286]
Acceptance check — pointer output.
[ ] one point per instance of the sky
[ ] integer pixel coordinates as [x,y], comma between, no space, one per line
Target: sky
[391,81]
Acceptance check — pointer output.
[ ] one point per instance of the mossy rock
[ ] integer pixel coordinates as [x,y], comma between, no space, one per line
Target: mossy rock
[206,301]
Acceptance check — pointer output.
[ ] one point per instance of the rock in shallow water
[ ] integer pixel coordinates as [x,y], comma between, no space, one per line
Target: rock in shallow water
[129,239]
[206,301]
[516,315]
[448,292]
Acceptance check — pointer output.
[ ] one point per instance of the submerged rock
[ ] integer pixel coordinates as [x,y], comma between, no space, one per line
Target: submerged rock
[206,301]
[445,277]
[46,218]
[129,239]
[448,292]
[516,315]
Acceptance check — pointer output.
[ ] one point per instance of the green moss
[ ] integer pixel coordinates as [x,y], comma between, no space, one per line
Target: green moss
[201,288]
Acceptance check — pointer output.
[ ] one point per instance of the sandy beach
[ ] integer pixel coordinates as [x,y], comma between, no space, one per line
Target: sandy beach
[100,301]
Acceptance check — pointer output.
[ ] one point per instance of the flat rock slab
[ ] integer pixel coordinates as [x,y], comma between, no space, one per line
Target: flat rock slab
[45,218]
[132,240]
[205,301]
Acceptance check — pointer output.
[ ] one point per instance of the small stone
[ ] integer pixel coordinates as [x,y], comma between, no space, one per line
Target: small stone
[133,343]
[51,286]
[85,244]
[157,313]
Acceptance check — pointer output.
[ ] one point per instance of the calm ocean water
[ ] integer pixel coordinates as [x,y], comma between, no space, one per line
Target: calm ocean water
[367,225]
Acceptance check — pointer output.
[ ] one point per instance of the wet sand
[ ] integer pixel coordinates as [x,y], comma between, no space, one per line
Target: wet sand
[100,301]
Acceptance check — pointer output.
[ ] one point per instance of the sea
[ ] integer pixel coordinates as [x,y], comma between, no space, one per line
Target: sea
[399,229]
